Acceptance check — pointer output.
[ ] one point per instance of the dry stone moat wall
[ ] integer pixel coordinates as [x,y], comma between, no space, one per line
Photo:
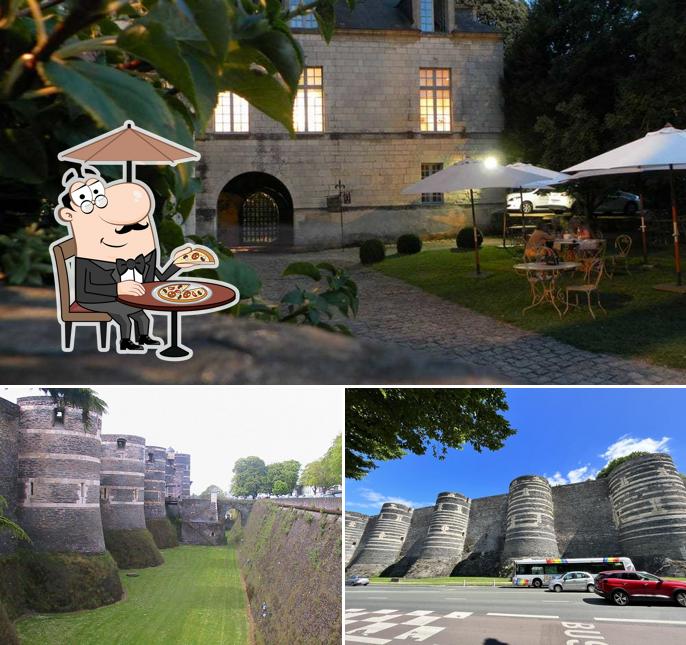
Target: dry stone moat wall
[638,511]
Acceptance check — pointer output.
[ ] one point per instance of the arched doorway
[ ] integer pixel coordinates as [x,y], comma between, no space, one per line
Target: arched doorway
[255,209]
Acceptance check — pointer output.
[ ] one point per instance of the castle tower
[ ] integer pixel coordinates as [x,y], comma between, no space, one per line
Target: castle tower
[649,502]
[530,524]
[9,455]
[123,482]
[385,540]
[355,524]
[155,464]
[59,477]
[182,465]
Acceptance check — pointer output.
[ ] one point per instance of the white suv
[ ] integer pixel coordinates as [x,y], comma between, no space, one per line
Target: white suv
[540,199]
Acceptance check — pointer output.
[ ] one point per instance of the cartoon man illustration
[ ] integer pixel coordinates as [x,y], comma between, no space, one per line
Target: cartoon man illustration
[117,250]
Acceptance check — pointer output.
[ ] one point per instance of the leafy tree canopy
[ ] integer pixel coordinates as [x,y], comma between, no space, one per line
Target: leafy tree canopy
[326,471]
[212,488]
[508,16]
[386,423]
[249,477]
[605,472]
[285,473]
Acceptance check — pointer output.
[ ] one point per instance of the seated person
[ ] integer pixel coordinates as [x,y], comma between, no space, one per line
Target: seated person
[537,240]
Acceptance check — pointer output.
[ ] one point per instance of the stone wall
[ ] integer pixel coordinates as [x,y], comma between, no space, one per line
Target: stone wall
[9,444]
[122,502]
[639,512]
[355,524]
[372,140]
[583,520]
[59,477]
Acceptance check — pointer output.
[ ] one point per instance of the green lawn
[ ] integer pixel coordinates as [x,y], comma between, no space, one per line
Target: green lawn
[641,322]
[459,581]
[195,597]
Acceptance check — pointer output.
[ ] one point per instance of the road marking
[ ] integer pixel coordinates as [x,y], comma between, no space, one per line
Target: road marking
[366,639]
[384,611]
[420,612]
[381,619]
[422,620]
[459,614]
[456,598]
[377,598]
[642,620]
[420,633]
[556,601]
[366,630]
[350,611]
[523,616]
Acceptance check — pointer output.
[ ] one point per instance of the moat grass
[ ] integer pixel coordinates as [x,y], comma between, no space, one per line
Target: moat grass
[469,581]
[640,322]
[194,598]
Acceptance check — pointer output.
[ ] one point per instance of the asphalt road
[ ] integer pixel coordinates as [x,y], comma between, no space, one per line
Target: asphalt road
[382,614]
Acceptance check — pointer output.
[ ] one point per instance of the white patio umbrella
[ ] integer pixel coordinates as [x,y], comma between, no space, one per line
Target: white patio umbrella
[468,175]
[663,149]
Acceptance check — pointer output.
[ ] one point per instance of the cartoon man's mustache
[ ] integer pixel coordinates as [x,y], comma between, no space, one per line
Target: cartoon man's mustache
[131,227]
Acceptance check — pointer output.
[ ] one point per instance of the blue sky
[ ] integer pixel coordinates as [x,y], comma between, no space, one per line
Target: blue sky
[565,434]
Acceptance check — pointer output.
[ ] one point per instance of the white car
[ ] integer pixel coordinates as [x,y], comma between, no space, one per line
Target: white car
[356,581]
[540,199]
[559,201]
[573,581]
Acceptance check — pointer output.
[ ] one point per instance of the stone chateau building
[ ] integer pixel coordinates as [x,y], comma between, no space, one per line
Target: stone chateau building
[638,511]
[405,88]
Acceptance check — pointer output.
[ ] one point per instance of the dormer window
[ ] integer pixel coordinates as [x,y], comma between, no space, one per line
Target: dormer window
[433,16]
[58,417]
[121,444]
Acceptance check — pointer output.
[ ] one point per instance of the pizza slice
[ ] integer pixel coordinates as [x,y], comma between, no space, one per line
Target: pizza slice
[194,256]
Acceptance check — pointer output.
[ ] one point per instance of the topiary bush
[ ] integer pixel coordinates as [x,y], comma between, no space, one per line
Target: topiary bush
[465,238]
[69,581]
[133,548]
[163,533]
[372,251]
[409,244]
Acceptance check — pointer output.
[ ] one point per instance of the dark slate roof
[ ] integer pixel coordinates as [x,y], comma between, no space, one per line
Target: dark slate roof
[373,14]
[465,22]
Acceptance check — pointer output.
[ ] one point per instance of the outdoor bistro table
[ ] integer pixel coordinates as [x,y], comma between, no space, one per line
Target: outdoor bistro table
[549,274]
[221,296]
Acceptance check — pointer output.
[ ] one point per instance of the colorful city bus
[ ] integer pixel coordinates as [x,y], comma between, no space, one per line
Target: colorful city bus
[537,572]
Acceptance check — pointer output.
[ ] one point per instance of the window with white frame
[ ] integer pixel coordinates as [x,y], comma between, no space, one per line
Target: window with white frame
[434,99]
[308,109]
[430,169]
[308,21]
[231,113]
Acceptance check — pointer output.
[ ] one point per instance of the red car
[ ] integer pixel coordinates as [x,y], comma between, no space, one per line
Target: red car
[620,586]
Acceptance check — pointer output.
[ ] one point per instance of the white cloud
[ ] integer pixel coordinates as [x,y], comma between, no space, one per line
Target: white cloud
[574,476]
[626,445]
[374,499]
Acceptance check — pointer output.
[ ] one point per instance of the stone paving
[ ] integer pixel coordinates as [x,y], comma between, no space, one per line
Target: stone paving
[396,312]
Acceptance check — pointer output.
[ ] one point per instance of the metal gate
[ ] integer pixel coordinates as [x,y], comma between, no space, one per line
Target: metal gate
[259,219]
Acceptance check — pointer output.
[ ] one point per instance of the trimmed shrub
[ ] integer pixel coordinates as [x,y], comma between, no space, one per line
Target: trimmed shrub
[69,581]
[163,533]
[372,251]
[133,548]
[465,238]
[12,591]
[8,635]
[409,244]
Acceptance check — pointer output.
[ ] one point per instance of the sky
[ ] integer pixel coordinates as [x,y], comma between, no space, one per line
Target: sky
[565,434]
[217,425]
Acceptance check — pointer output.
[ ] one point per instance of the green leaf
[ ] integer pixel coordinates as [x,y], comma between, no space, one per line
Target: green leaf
[150,41]
[295,297]
[170,235]
[214,19]
[285,54]
[205,71]
[22,156]
[264,91]
[110,96]
[303,268]
[326,19]
[239,274]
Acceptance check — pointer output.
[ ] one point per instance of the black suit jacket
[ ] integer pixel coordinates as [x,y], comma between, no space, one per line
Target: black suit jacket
[96,280]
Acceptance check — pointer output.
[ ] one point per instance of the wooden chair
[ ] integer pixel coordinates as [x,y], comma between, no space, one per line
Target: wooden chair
[69,312]
[595,273]
[622,248]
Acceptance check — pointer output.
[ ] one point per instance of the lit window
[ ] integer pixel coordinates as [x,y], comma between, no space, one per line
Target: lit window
[308,21]
[308,110]
[430,169]
[434,100]
[231,113]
